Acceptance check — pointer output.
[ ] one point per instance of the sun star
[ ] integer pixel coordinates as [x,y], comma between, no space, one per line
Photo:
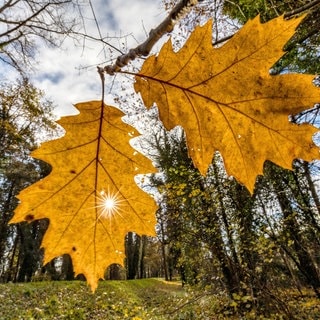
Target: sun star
[108,203]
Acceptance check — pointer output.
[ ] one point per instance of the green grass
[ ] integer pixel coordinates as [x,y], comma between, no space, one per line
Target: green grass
[135,299]
[145,299]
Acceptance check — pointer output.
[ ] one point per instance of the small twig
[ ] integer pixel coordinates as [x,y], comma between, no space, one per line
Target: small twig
[224,39]
[306,7]
[102,77]
[166,26]
[239,8]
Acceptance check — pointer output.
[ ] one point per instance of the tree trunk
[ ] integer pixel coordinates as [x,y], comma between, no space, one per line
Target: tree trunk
[67,272]
[132,255]
[5,217]
[163,252]
[142,253]
[305,262]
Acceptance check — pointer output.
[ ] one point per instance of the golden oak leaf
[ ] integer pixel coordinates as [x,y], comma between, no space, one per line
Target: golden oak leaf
[90,197]
[227,101]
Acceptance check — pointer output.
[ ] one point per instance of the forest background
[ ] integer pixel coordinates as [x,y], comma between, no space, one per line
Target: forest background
[211,231]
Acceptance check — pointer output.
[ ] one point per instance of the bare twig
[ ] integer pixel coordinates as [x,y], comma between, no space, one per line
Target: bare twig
[102,40]
[306,7]
[239,8]
[166,26]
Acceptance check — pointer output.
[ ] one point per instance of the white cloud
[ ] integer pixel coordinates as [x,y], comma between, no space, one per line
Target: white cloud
[69,76]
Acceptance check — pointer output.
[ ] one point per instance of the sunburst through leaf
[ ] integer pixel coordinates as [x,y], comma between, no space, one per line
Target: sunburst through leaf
[109,203]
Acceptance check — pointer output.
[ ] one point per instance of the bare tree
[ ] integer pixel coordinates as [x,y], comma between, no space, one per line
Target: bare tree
[23,23]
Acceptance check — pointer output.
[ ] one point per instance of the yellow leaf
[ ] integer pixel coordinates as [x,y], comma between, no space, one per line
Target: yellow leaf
[90,196]
[227,101]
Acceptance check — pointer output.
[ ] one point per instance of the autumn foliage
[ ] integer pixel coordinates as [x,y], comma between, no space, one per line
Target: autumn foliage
[226,101]
[90,197]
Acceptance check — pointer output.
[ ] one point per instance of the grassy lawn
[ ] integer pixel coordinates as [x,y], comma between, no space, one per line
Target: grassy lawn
[146,299]
[136,299]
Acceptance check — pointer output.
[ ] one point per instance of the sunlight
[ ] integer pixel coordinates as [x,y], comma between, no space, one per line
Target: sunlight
[109,203]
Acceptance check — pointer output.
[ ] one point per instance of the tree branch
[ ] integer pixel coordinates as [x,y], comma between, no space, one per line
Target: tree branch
[306,7]
[166,26]
[24,22]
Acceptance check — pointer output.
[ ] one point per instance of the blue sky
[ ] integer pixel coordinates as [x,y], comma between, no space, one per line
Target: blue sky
[68,75]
